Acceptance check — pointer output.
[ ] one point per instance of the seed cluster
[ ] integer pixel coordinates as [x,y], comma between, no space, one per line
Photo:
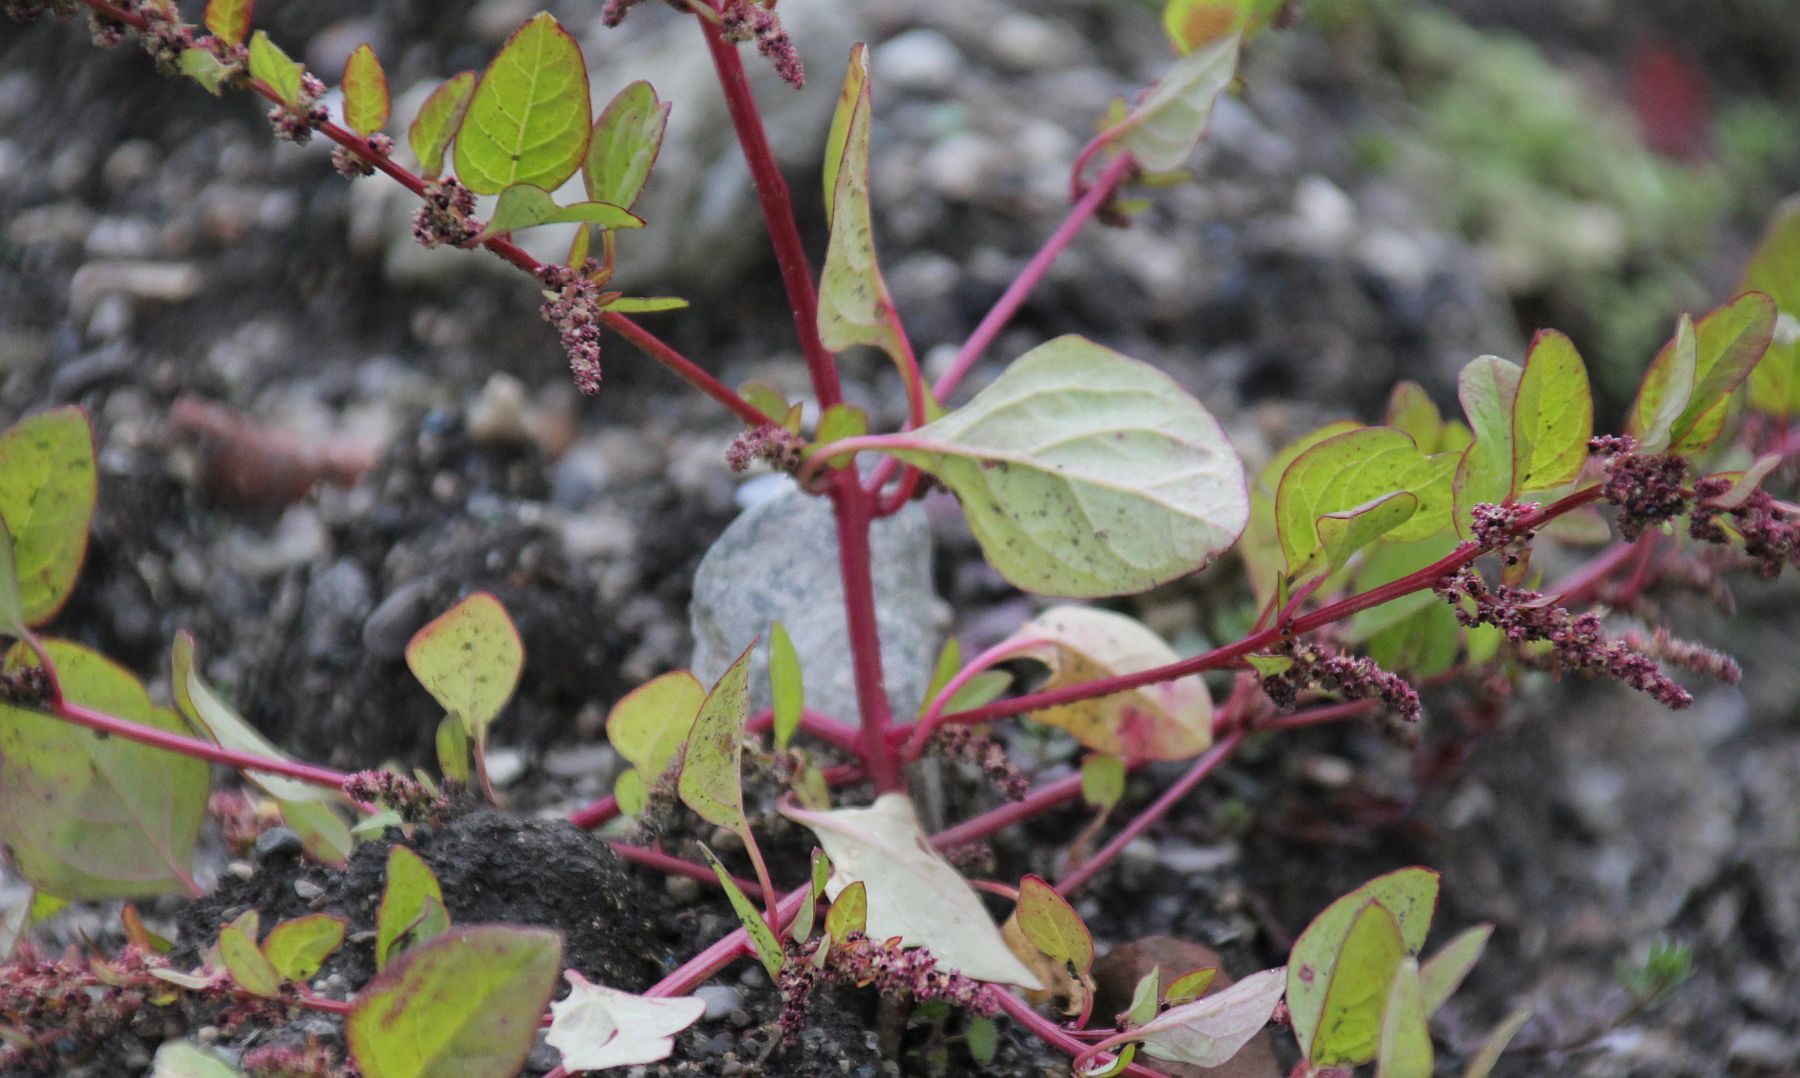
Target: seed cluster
[351,165]
[1770,539]
[745,20]
[972,746]
[412,799]
[447,216]
[894,970]
[780,448]
[575,312]
[1354,677]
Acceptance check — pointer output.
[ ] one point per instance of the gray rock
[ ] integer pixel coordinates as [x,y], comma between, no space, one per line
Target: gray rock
[277,842]
[721,999]
[921,61]
[778,562]
[399,616]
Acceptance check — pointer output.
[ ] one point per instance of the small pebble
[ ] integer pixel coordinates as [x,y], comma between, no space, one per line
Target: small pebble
[721,1000]
[278,842]
[308,890]
[683,890]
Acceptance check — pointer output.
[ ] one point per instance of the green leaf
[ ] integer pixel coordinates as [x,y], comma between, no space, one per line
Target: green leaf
[851,97]
[524,205]
[1412,410]
[1168,720]
[1775,270]
[297,948]
[89,817]
[1445,970]
[437,122]
[849,912]
[982,1040]
[12,605]
[1489,1055]
[949,662]
[802,927]
[1352,471]
[648,727]
[1193,23]
[229,20]
[206,69]
[1144,997]
[185,1059]
[1349,1030]
[452,743]
[465,1004]
[1342,534]
[1410,897]
[711,780]
[1488,387]
[469,659]
[528,120]
[47,492]
[786,688]
[1209,1031]
[1053,926]
[365,92]
[1667,389]
[983,688]
[1164,128]
[252,971]
[1404,1049]
[1102,780]
[646,304]
[270,66]
[762,937]
[324,835]
[1085,473]
[1260,547]
[218,723]
[1729,343]
[412,906]
[1553,415]
[854,307]
[1190,985]
[625,142]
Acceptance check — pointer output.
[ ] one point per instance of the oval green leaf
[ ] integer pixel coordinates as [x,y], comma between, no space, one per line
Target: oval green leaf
[1553,415]
[525,205]
[1405,1046]
[787,690]
[1053,926]
[1085,473]
[297,948]
[229,20]
[528,119]
[1102,780]
[1409,894]
[47,492]
[1729,342]
[712,782]
[469,659]
[1666,391]
[365,92]
[249,967]
[762,937]
[625,142]
[854,307]
[1487,387]
[272,67]
[88,817]
[437,122]
[465,1004]
[1346,477]
[1445,970]
[1349,1030]
[412,906]
[648,726]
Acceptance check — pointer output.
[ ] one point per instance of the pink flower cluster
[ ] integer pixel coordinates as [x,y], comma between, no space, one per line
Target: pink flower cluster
[350,164]
[782,449]
[575,312]
[447,216]
[892,969]
[26,685]
[1354,677]
[1495,527]
[412,799]
[1577,641]
[747,20]
[1647,488]
[972,746]
[1770,539]
[295,122]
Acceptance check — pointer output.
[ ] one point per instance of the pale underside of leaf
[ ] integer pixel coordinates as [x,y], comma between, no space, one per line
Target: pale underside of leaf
[854,307]
[1164,128]
[1212,1029]
[596,1027]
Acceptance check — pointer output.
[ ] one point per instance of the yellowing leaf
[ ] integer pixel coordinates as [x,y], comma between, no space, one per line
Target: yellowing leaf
[1775,270]
[528,120]
[1347,531]
[12,606]
[437,122]
[851,97]
[365,92]
[1102,780]
[849,912]
[1170,720]
[854,307]
[467,1003]
[272,67]
[1164,128]
[1349,1031]
[229,20]
[1553,415]
[1053,926]
[1212,1029]
[1729,343]
[711,780]
[47,492]
[412,906]
[913,893]
[1085,473]
[648,727]
[1405,1046]
[89,817]
[597,1028]
[297,948]
[525,205]
[1193,23]
[469,659]
[185,1059]
[1410,897]
[625,142]
[1191,985]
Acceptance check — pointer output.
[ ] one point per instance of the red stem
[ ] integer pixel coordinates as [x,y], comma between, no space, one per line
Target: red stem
[853,505]
[1021,1012]
[188,746]
[676,866]
[654,347]
[701,968]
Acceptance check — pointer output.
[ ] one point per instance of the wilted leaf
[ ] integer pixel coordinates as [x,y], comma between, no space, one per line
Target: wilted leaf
[438,120]
[1405,1045]
[1349,1030]
[1775,270]
[1667,389]
[525,205]
[1553,415]
[248,966]
[528,119]
[1086,473]
[1210,1030]
[272,67]
[465,1004]
[597,1028]
[297,948]
[913,893]
[229,20]
[648,727]
[1169,720]
[217,722]
[365,92]
[762,937]
[47,492]
[854,307]
[1164,128]
[412,906]
[623,149]
[89,817]
[1349,474]
[786,688]
[712,782]
[469,659]
[1410,897]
